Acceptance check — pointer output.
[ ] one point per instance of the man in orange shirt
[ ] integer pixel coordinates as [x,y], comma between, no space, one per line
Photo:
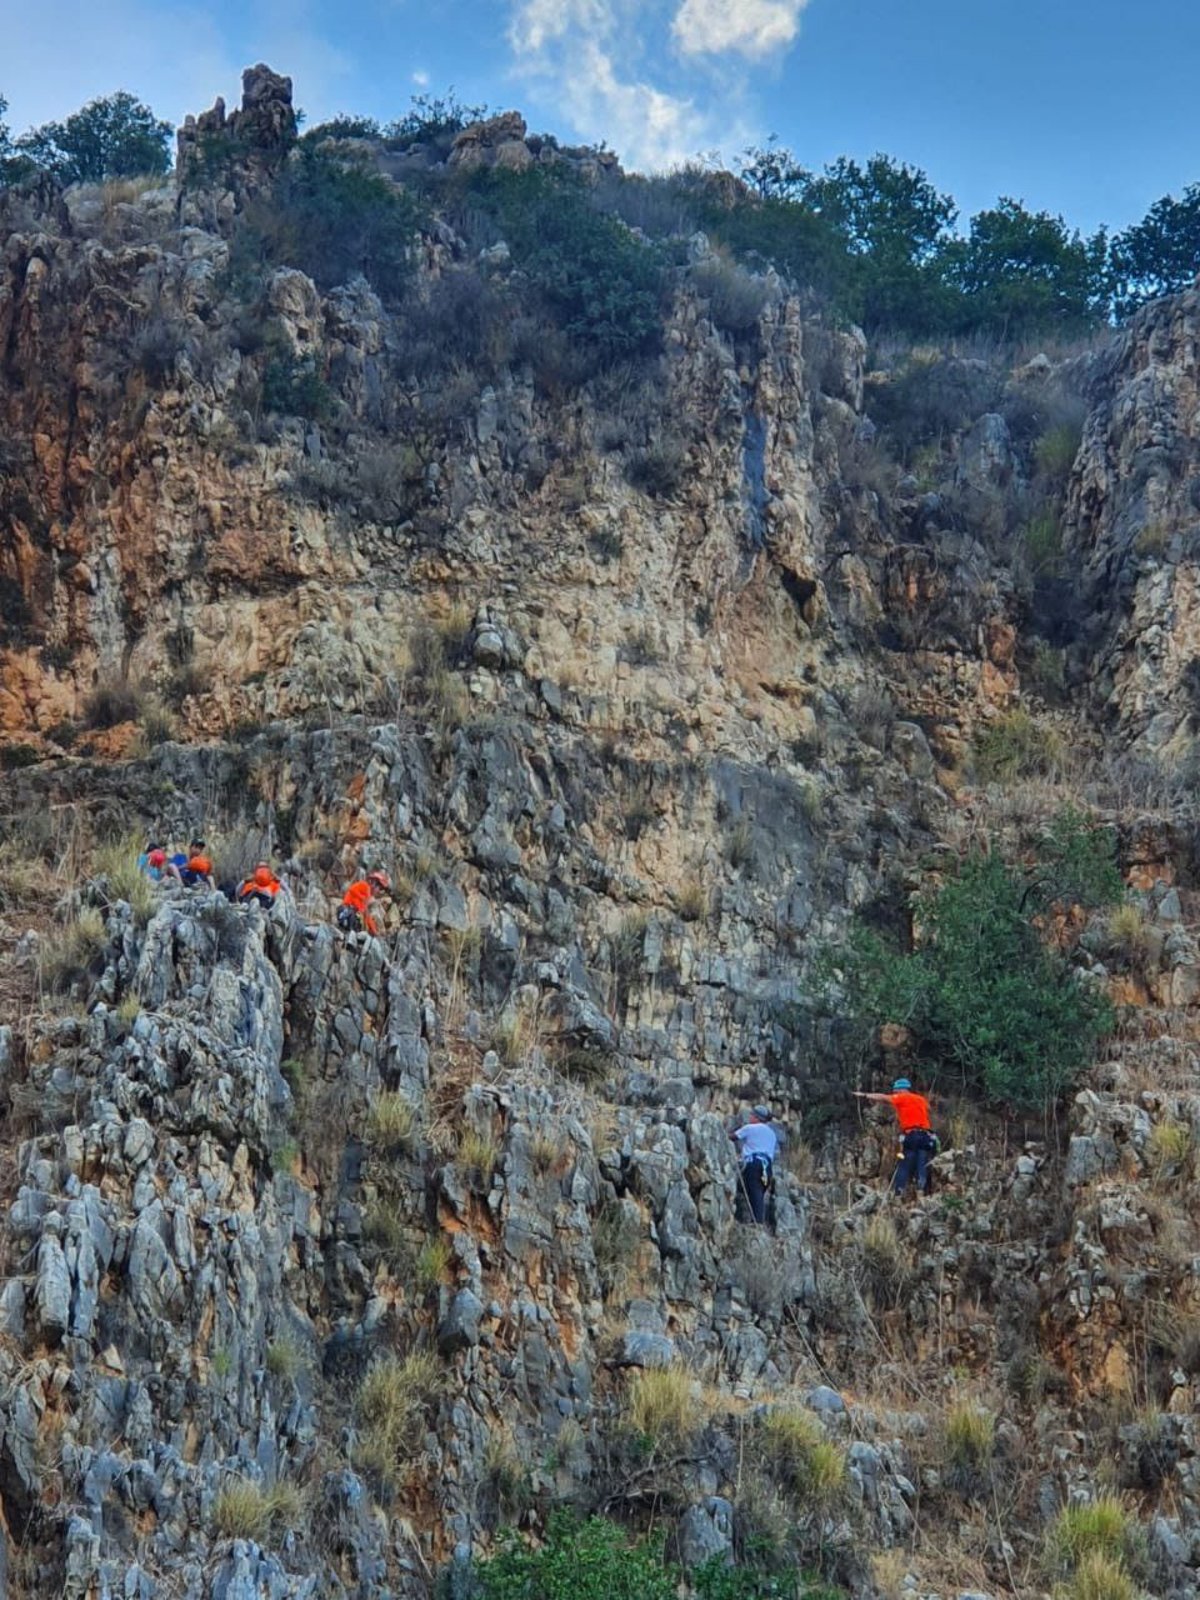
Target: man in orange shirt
[262,886]
[917,1143]
[355,910]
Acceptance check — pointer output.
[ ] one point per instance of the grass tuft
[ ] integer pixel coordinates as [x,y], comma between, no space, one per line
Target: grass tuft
[1099,1527]
[396,1395]
[245,1510]
[661,1407]
[392,1123]
[801,1459]
[479,1153]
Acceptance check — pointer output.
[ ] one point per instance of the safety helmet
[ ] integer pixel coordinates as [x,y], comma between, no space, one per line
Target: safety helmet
[157,857]
[902,1083]
[763,1113]
[380,878]
[262,874]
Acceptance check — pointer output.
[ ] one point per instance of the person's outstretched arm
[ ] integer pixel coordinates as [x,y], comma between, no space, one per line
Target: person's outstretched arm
[861,1094]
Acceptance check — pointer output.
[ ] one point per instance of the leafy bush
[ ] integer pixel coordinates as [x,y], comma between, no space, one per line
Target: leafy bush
[736,300]
[13,757]
[331,216]
[982,990]
[590,1560]
[603,284]
[1078,862]
[292,386]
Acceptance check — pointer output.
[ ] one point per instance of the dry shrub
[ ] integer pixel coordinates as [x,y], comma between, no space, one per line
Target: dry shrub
[968,1446]
[432,1263]
[801,1459]
[65,956]
[247,1510]
[478,1153]
[117,863]
[661,1406]
[1169,1150]
[112,702]
[392,1123]
[393,1403]
[884,1261]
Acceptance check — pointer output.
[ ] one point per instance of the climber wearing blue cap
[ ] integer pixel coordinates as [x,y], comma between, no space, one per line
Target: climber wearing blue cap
[758,1145]
[917,1142]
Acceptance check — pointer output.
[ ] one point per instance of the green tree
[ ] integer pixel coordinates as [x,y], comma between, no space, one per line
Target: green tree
[1160,254]
[893,222]
[982,989]
[116,137]
[1024,272]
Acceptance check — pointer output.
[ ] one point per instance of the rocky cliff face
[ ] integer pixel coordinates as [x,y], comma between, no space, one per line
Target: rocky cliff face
[329,1255]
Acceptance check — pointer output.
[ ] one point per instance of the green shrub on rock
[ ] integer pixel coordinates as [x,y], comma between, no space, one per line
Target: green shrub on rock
[982,991]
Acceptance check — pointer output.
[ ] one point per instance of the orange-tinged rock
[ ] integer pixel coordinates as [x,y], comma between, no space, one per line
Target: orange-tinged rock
[1000,641]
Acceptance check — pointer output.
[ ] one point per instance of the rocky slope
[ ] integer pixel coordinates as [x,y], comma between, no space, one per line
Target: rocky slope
[630,758]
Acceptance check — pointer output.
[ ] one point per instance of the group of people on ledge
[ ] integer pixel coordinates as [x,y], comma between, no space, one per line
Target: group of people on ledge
[193,868]
[758,1141]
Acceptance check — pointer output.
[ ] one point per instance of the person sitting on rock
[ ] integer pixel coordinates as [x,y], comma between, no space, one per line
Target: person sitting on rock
[262,886]
[198,868]
[918,1145]
[153,861]
[354,913]
[758,1145]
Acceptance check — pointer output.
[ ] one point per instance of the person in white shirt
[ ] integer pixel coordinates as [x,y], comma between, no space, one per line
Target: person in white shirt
[758,1145]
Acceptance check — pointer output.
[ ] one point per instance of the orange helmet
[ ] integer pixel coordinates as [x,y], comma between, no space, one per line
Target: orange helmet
[262,875]
[379,878]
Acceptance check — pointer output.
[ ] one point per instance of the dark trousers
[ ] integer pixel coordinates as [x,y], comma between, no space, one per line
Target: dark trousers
[756,1180]
[915,1151]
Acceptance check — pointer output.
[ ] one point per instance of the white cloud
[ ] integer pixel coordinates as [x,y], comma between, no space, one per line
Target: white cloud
[751,28]
[586,52]
[421,78]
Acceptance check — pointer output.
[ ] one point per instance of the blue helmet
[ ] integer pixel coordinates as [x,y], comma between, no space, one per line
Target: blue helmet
[902,1083]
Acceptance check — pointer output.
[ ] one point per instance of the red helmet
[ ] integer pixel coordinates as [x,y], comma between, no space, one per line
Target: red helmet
[262,875]
[157,858]
[379,878]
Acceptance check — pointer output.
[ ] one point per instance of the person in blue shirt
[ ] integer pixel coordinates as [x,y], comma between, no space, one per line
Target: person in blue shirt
[758,1145]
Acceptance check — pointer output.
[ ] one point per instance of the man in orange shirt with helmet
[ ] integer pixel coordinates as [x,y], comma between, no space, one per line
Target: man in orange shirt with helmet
[354,911]
[917,1142]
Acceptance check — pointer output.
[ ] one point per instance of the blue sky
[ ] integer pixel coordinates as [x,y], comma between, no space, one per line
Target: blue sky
[1078,106]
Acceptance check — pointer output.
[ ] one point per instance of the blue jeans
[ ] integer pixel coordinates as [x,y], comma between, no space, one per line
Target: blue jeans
[756,1180]
[915,1152]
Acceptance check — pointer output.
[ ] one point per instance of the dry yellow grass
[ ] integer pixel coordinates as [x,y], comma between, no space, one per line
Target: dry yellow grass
[661,1405]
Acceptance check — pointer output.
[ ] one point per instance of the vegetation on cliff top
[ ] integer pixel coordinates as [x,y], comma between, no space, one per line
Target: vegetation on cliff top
[876,241]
